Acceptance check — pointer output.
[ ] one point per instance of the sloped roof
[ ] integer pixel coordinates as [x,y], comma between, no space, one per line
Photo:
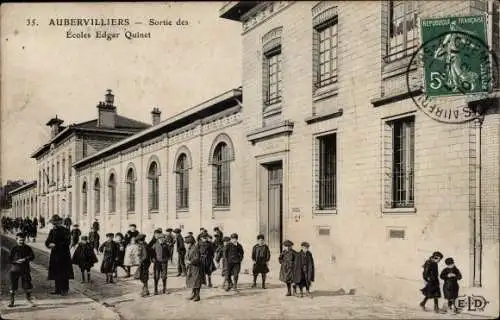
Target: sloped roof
[124,126]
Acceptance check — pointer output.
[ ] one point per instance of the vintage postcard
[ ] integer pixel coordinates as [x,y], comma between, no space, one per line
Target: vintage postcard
[250,160]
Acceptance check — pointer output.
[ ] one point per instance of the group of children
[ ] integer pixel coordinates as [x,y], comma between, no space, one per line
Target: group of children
[450,275]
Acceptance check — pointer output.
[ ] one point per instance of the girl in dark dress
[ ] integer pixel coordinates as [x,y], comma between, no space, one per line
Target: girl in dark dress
[109,248]
[260,256]
[431,278]
[84,257]
[120,242]
[451,275]
[287,259]
[304,269]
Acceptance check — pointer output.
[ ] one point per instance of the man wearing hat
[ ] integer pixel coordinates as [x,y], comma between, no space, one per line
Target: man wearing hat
[181,252]
[75,235]
[194,274]
[287,260]
[234,255]
[60,266]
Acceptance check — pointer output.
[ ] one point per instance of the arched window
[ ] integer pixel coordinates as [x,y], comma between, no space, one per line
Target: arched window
[97,196]
[112,193]
[130,190]
[153,179]
[84,198]
[221,182]
[182,182]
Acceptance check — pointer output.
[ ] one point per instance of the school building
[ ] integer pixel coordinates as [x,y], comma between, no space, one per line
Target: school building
[321,143]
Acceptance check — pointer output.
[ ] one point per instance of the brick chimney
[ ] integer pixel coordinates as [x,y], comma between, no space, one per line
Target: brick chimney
[55,126]
[155,116]
[107,111]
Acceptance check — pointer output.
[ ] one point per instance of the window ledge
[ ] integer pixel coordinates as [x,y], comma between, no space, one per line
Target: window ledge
[130,212]
[319,212]
[326,92]
[396,97]
[284,127]
[182,210]
[322,117]
[396,211]
[222,208]
[397,67]
[156,211]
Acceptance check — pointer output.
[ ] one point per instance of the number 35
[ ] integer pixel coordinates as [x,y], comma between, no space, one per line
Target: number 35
[31,22]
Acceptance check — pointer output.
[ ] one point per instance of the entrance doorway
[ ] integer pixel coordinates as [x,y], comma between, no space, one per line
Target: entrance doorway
[272,214]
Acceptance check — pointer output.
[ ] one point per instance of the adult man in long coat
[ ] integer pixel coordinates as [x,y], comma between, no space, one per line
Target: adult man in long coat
[194,274]
[60,266]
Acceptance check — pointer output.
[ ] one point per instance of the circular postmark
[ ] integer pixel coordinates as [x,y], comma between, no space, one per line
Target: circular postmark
[452,63]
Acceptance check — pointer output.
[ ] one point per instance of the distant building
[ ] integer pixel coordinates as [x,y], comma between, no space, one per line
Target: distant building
[5,199]
[24,201]
[72,143]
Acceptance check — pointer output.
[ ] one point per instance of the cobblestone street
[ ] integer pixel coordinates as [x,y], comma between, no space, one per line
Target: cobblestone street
[121,300]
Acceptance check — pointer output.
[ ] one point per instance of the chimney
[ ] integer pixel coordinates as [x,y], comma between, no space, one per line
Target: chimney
[107,111]
[55,126]
[155,116]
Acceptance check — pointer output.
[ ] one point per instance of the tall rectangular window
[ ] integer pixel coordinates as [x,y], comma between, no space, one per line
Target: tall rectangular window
[57,168]
[403,29]
[63,171]
[70,204]
[273,76]
[403,154]
[69,166]
[325,42]
[326,188]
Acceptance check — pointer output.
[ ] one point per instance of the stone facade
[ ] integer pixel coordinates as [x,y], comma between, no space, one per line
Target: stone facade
[24,201]
[377,247]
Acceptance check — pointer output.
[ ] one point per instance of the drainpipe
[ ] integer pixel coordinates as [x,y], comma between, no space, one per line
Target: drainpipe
[477,208]
[200,123]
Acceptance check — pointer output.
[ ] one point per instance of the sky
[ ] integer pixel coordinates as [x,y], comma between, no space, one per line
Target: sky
[44,73]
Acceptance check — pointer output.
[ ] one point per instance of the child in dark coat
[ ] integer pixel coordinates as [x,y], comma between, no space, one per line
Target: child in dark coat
[219,258]
[431,278]
[20,257]
[304,269]
[207,253]
[142,273]
[260,257]
[287,260]
[233,253]
[451,275]
[109,248]
[120,242]
[94,239]
[84,257]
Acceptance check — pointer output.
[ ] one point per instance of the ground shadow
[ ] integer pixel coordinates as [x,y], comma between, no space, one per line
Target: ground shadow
[330,293]
[40,307]
[233,295]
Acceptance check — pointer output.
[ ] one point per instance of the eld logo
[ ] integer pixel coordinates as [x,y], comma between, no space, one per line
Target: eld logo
[471,303]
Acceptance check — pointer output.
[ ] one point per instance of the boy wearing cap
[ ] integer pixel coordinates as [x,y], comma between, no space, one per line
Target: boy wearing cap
[75,235]
[233,254]
[304,269]
[181,253]
[431,278]
[450,275]
[109,248]
[219,258]
[20,257]
[120,255]
[193,264]
[161,255]
[287,260]
[84,257]
[94,239]
[260,256]
[156,234]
